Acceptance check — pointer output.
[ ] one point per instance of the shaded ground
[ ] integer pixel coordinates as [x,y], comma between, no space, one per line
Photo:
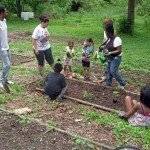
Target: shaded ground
[26,135]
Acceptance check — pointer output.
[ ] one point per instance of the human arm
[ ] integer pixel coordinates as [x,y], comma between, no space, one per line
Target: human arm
[118,51]
[34,40]
[35,46]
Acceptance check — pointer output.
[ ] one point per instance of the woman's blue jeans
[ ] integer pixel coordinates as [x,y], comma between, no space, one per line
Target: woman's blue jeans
[112,71]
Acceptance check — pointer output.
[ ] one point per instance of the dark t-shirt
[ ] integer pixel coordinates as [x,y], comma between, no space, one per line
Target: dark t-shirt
[55,82]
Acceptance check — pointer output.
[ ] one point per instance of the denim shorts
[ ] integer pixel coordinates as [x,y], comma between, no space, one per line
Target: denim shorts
[47,54]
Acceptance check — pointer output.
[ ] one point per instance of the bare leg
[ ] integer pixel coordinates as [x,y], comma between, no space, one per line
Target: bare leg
[40,69]
[84,71]
[88,71]
[70,69]
[52,66]
[128,103]
[65,73]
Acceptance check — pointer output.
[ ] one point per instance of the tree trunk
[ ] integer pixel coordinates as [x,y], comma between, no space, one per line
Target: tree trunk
[131,6]
[19,7]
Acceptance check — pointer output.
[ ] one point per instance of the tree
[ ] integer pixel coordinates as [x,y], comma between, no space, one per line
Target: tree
[19,7]
[131,7]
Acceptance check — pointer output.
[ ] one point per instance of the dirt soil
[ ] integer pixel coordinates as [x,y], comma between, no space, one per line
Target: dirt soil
[96,94]
[19,59]
[32,136]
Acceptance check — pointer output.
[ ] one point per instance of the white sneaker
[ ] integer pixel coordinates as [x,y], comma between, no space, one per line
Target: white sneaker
[1,85]
[9,82]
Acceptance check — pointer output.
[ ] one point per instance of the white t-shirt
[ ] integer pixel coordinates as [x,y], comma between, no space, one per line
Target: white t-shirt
[42,36]
[117,42]
[3,35]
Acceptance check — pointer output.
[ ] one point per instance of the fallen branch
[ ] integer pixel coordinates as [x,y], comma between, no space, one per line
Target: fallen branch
[90,104]
[84,102]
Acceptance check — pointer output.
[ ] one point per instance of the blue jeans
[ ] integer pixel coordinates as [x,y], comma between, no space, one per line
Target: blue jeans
[112,71]
[5,58]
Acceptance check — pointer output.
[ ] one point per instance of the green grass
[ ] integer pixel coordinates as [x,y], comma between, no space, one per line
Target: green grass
[122,129]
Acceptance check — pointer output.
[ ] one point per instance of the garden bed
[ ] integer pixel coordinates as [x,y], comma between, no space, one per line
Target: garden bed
[26,134]
[19,59]
[95,94]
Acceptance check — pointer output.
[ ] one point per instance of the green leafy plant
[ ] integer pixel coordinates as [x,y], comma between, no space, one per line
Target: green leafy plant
[83,142]
[51,123]
[24,120]
[115,93]
[86,95]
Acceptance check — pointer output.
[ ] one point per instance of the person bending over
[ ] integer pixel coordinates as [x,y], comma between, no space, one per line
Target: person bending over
[55,83]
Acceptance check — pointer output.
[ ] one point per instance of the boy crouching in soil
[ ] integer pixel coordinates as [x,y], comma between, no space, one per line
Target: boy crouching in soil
[55,83]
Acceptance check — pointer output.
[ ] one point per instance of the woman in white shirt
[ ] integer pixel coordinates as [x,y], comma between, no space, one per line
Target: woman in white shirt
[113,55]
[41,45]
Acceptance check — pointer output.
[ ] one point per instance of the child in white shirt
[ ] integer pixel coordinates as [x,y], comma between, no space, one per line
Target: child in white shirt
[68,58]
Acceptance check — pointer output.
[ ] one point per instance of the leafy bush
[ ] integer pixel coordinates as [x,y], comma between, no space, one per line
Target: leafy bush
[124,25]
[143,8]
[52,11]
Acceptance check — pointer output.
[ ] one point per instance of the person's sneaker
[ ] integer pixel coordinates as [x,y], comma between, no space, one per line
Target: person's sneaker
[103,78]
[59,99]
[1,85]
[9,82]
[40,76]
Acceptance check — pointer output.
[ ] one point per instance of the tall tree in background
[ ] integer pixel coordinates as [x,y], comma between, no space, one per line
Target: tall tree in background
[131,6]
[19,7]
